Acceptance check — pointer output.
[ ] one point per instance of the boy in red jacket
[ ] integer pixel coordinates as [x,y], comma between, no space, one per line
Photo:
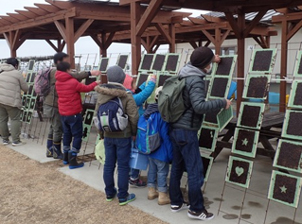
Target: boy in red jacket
[70,108]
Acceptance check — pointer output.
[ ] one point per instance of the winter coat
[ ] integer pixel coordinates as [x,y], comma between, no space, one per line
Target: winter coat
[141,97]
[52,98]
[107,92]
[165,151]
[69,89]
[194,96]
[11,84]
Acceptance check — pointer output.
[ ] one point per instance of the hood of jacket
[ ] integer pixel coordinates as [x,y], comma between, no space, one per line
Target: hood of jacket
[190,70]
[63,76]
[6,67]
[110,91]
[152,108]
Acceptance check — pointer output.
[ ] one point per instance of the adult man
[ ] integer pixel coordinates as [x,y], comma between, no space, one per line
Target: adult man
[51,108]
[183,133]
[11,84]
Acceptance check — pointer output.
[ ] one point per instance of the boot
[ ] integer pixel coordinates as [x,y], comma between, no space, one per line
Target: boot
[49,148]
[73,163]
[57,154]
[152,194]
[163,198]
[65,157]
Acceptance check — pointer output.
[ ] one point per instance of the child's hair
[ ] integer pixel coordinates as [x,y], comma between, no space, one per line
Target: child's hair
[63,66]
[59,57]
[12,61]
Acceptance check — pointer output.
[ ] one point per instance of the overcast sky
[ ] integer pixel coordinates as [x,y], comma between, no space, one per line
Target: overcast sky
[83,46]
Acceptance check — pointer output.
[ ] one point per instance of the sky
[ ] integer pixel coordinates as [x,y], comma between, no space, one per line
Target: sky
[84,46]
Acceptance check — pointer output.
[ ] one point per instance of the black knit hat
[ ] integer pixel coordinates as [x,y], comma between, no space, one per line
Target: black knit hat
[202,57]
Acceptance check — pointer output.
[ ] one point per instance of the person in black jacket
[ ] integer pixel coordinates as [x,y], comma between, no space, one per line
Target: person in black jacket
[183,133]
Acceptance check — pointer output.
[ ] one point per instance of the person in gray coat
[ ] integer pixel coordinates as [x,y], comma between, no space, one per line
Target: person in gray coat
[11,84]
[183,134]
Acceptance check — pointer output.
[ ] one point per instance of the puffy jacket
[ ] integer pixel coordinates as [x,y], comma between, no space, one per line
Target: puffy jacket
[69,89]
[107,92]
[11,84]
[52,98]
[165,152]
[194,97]
[141,97]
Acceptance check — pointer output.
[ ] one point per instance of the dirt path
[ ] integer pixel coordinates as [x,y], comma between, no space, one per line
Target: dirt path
[31,192]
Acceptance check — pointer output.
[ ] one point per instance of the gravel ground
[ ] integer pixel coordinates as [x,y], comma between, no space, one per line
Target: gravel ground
[31,192]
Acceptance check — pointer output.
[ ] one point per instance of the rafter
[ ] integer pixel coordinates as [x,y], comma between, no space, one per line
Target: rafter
[82,29]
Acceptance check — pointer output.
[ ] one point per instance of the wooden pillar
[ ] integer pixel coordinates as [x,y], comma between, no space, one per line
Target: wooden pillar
[103,47]
[217,41]
[240,63]
[172,35]
[70,40]
[283,70]
[135,38]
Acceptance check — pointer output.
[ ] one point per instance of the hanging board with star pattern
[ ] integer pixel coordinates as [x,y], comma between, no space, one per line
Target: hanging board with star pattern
[245,142]
[285,188]
[239,171]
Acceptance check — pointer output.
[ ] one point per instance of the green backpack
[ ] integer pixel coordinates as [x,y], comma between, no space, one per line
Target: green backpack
[170,101]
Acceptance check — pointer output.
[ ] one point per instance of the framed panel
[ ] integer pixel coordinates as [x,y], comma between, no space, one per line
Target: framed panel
[239,171]
[32,77]
[87,124]
[162,78]
[29,117]
[298,67]
[146,63]
[24,117]
[103,65]
[28,75]
[285,188]
[295,97]
[219,87]
[86,132]
[225,67]
[210,119]
[31,64]
[263,61]
[207,162]
[289,155]
[256,86]
[208,138]
[32,105]
[90,80]
[122,61]
[245,142]
[292,125]
[251,115]
[158,62]
[141,79]
[224,117]
[172,63]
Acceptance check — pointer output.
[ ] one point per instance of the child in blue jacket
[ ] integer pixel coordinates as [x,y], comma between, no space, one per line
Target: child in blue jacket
[140,95]
[160,159]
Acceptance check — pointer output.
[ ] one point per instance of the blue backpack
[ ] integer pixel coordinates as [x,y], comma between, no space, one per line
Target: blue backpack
[111,116]
[148,138]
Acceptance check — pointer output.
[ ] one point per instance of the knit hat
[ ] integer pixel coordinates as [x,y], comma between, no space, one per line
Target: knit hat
[116,74]
[157,92]
[202,57]
[128,82]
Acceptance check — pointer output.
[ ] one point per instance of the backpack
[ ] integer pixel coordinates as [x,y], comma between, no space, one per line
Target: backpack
[170,100]
[111,116]
[148,138]
[42,82]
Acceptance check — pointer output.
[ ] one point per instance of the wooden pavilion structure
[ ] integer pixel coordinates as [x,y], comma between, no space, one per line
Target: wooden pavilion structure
[229,7]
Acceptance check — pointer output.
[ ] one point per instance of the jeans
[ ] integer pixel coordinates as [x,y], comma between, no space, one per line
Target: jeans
[55,130]
[160,170]
[134,174]
[72,128]
[117,150]
[186,156]
[14,114]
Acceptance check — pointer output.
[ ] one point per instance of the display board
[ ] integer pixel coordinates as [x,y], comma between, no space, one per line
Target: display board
[295,99]
[158,62]
[171,63]
[225,67]
[207,162]
[141,79]
[103,65]
[256,86]
[251,115]
[245,142]
[292,125]
[263,61]
[208,138]
[87,124]
[122,61]
[298,67]
[146,62]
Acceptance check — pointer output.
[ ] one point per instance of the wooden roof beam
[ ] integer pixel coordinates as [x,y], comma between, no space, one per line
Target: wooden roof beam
[287,17]
[62,30]
[212,19]
[254,22]
[164,33]
[294,30]
[9,19]
[47,8]
[37,11]
[27,14]
[82,29]
[18,17]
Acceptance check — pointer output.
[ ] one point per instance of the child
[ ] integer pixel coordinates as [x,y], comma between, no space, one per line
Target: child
[70,108]
[140,95]
[118,144]
[158,160]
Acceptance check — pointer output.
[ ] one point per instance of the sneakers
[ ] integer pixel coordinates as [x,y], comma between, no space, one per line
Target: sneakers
[17,143]
[6,142]
[178,208]
[205,215]
[111,197]
[137,183]
[124,201]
